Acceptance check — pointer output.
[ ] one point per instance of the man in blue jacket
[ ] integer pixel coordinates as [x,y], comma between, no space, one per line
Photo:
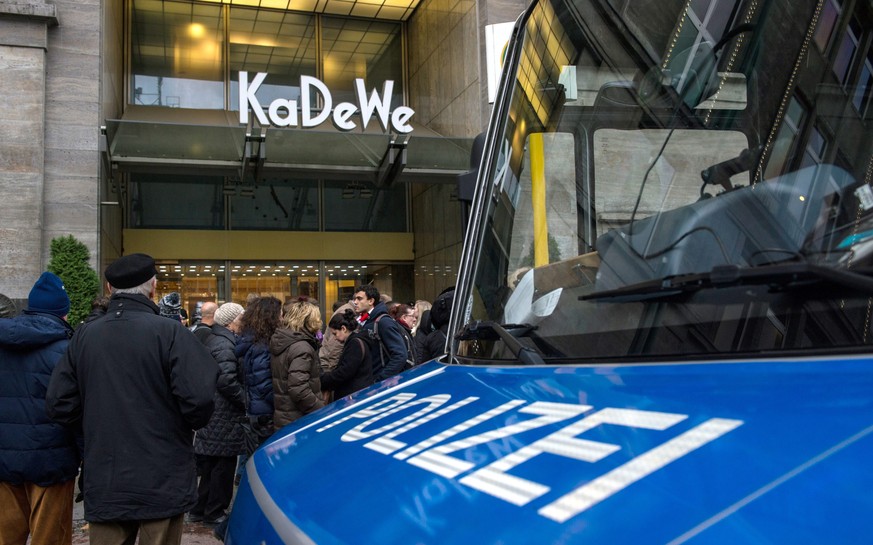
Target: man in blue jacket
[39,459]
[139,385]
[388,351]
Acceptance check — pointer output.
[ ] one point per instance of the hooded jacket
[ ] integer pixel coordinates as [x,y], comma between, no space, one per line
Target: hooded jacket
[140,385]
[33,449]
[296,375]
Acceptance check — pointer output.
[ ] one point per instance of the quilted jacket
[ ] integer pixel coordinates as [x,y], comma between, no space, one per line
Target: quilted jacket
[223,436]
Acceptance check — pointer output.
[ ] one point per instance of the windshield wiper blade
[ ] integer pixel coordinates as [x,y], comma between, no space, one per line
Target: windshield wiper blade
[492,331]
[779,275]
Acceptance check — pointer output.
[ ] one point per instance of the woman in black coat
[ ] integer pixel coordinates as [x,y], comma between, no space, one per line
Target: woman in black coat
[353,371]
[221,440]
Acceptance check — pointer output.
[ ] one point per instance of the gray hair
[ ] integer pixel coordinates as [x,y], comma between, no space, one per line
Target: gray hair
[143,289]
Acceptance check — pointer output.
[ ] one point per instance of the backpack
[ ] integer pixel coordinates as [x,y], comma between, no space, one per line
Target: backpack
[374,340]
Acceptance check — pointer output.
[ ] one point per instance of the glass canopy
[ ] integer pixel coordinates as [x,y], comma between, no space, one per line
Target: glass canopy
[220,148]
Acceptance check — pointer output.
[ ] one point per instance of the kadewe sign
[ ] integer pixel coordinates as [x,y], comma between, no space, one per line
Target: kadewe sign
[284,112]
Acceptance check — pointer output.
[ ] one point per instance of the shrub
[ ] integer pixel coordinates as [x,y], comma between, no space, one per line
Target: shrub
[69,260]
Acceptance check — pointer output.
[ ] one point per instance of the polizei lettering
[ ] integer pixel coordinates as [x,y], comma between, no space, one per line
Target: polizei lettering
[382,425]
[283,112]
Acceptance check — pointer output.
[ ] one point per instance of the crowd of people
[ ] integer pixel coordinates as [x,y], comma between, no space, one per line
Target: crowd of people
[138,404]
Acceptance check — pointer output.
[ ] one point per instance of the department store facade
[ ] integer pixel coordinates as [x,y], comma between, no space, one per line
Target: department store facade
[282,147]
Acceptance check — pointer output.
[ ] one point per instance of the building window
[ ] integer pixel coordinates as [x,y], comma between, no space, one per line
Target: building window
[815,149]
[276,204]
[177,55]
[370,50]
[845,55]
[785,141]
[166,201]
[282,44]
[827,20]
[162,201]
[361,206]
[864,87]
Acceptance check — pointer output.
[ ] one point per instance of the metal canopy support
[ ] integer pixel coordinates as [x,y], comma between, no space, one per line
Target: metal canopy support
[254,156]
[106,155]
[392,162]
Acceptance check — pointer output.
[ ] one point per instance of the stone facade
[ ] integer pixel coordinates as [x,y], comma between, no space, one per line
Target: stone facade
[49,104]
[448,91]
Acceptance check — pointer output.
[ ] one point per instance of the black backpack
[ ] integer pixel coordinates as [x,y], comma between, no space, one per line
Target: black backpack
[376,346]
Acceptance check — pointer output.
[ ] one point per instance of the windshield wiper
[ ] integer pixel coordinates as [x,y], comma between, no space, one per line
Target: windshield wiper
[781,275]
[492,331]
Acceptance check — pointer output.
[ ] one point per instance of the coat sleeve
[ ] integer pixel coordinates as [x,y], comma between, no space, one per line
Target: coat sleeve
[354,355]
[228,383]
[299,390]
[63,401]
[330,352]
[392,339]
[193,377]
[421,349]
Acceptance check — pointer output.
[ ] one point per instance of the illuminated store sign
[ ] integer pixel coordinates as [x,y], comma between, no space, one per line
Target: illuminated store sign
[284,112]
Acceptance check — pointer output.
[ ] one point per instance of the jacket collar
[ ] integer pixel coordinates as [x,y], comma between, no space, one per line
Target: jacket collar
[130,301]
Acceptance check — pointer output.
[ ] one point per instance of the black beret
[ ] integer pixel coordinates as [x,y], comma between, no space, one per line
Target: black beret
[130,271]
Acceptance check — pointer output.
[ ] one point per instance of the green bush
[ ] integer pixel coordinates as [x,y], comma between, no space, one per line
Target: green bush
[69,260]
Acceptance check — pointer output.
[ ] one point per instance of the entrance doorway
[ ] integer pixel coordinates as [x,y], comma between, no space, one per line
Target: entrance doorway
[323,281]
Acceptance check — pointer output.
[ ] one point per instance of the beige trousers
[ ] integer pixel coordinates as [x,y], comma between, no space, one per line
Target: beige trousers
[44,513]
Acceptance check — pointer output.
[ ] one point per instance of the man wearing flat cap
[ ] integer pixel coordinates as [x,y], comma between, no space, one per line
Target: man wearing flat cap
[140,385]
[39,459]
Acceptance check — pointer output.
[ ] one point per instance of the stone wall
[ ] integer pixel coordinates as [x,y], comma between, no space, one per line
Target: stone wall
[49,74]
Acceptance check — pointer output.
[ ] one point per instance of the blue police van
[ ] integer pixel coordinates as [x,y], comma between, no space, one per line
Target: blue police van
[661,328]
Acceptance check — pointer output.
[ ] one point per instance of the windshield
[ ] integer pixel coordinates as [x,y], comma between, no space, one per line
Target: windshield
[636,143]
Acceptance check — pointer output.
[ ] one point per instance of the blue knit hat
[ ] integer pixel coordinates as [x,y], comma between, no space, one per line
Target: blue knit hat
[48,295]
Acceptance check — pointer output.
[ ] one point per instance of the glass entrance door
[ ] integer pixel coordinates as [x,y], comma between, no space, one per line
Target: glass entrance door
[325,282]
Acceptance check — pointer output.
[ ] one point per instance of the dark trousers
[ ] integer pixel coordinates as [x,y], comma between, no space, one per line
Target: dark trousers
[215,490]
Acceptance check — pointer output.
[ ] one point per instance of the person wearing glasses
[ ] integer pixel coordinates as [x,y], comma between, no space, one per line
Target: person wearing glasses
[406,316]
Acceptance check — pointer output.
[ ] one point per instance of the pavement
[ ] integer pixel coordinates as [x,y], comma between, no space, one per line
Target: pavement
[195,533]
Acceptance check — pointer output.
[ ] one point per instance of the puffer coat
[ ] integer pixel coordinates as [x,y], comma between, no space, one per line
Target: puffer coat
[223,435]
[296,375]
[33,449]
[254,358]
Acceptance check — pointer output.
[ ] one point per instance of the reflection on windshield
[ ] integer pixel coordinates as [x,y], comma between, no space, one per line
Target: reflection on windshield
[673,145]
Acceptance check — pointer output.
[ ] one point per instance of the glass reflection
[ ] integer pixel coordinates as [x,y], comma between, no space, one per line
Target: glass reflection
[282,44]
[177,55]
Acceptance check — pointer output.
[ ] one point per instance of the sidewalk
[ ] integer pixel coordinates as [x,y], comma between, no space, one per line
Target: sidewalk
[195,533]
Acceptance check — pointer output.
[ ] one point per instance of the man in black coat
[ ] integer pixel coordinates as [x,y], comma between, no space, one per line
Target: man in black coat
[139,384]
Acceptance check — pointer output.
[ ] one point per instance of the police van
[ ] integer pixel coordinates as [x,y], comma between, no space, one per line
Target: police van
[661,329]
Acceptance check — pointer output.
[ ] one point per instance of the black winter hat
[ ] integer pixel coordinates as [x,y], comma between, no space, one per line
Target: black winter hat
[130,271]
[48,295]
